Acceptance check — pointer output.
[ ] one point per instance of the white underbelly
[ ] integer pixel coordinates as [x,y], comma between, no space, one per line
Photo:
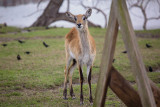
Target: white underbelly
[87,59]
[71,54]
[83,58]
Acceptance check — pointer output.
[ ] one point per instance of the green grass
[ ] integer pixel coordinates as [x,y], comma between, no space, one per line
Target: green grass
[36,80]
[8,29]
[155,31]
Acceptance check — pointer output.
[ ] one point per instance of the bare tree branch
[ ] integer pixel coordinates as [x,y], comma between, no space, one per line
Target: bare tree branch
[33,13]
[38,10]
[98,10]
[154,18]
[134,5]
[39,3]
[158,1]
[136,14]
[142,5]
[97,3]
[68,5]
[145,6]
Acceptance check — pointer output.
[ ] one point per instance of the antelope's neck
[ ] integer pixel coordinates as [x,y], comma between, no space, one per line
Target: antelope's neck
[84,41]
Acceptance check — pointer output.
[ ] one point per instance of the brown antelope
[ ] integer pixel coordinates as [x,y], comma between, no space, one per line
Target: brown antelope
[80,50]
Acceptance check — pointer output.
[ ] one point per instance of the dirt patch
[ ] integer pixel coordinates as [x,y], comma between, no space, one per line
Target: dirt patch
[46,37]
[9,39]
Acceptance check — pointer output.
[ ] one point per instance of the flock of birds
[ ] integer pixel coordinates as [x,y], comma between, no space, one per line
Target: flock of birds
[46,45]
[148,46]
[27,52]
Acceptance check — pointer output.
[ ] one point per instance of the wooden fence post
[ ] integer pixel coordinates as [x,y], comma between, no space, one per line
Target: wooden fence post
[136,61]
[119,12]
[106,62]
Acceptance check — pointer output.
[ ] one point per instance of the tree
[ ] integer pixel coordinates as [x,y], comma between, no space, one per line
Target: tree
[143,5]
[96,7]
[51,14]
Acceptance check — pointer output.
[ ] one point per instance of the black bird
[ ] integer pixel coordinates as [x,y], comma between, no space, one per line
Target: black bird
[28,30]
[20,41]
[5,24]
[4,44]
[96,66]
[124,52]
[150,68]
[113,60]
[45,44]
[46,27]
[18,57]
[27,52]
[148,46]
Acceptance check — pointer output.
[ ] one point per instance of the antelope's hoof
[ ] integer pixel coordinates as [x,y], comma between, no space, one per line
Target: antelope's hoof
[91,103]
[65,98]
[81,103]
[73,97]
[91,100]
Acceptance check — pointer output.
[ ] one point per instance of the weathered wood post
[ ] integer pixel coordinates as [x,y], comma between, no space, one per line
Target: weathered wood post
[106,62]
[134,55]
[119,12]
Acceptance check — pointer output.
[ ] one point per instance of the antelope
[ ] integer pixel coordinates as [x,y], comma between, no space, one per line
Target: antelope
[80,49]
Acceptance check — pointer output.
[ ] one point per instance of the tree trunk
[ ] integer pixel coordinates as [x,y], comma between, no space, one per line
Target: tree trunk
[144,24]
[51,14]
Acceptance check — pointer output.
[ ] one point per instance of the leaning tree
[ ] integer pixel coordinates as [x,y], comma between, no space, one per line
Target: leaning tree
[51,14]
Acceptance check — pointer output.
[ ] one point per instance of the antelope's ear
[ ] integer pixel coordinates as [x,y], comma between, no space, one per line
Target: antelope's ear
[88,12]
[70,15]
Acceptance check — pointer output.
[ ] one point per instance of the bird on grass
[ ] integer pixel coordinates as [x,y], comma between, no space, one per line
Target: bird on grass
[4,45]
[148,46]
[45,44]
[46,27]
[150,69]
[28,30]
[113,60]
[18,57]
[5,24]
[124,52]
[20,41]
[27,52]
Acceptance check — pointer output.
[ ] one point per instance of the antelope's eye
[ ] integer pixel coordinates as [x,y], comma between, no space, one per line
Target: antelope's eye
[75,18]
[84,18]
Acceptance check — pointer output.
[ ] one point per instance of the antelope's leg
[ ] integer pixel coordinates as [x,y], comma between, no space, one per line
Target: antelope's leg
[89,71]
[81,82]
[71,70]
[68,61]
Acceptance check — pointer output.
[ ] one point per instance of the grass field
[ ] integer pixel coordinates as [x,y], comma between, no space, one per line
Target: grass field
[37,79]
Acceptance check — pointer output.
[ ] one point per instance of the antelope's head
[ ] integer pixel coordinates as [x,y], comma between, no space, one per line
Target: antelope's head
[81,19]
